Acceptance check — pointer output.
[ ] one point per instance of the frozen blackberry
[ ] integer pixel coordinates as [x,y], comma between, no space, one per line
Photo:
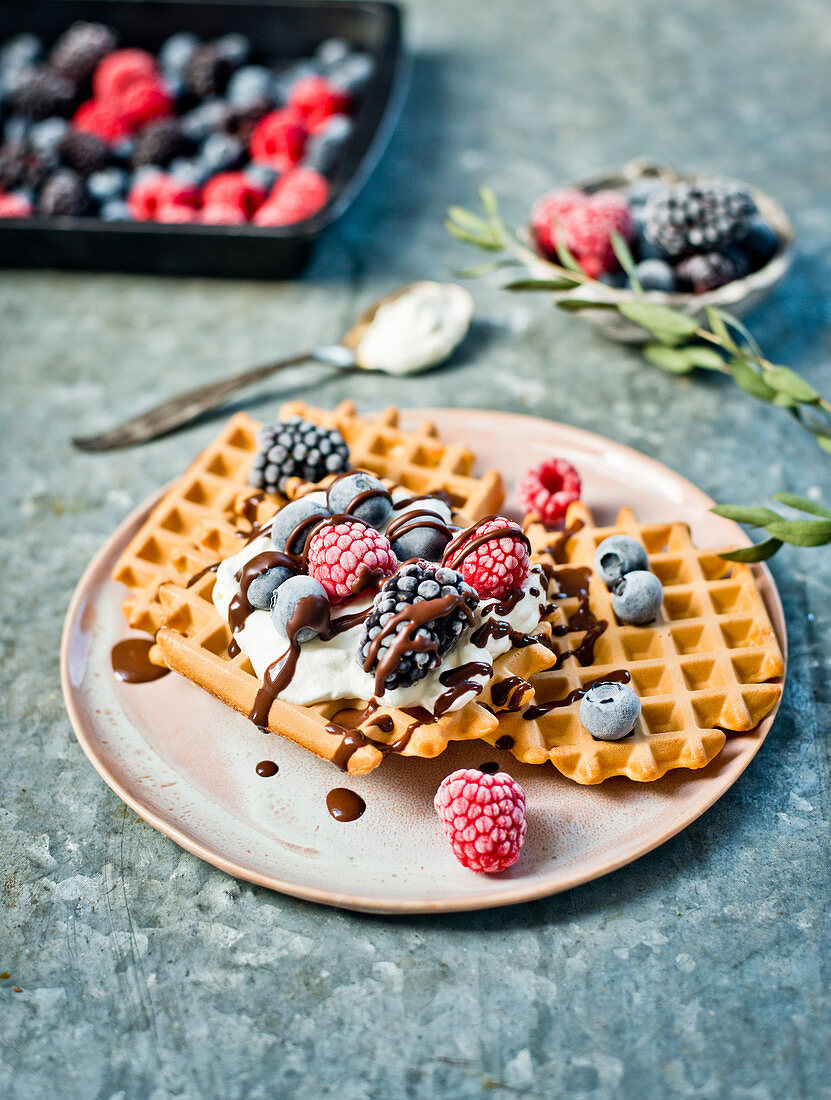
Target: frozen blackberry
[419,646]
[207,72]
[21,166]
[709,270]
[64,194]
[78,50]
[40,93]
[160,143]
[84,152]
[296,448]
[692,218]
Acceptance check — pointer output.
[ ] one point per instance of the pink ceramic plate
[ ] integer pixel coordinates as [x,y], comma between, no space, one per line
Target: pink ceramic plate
[186,763]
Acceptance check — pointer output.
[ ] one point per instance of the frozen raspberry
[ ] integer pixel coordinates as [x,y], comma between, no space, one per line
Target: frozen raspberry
[483,818]
[347,557]
[14,206]
[278,139]
[586,223]
[497,566]
[315,99]
[294,197]
[158,190]
[101,120]
[118,70]
[175,213]
[218,213]
[234,189]
[549,489]
[143,100]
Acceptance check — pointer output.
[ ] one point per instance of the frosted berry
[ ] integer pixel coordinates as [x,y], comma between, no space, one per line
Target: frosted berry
[100,119]
[14,206]
[483,818]
[348,557]
[234,189]
[709,270]
[64,194]
[609,711]
[698,217]
[296,196]
[498,565]
[156,190]
[584,224]
[79,49]
[118,70]
[278,139]
[314,99]
[637,597]
[83,152]
[39,93]
[296,448]
[618,555]
[144,100]
[548,490]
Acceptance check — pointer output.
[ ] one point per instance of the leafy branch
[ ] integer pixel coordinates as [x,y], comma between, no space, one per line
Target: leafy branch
[681,344]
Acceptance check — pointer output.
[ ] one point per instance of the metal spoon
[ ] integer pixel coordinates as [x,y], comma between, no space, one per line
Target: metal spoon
[189,406]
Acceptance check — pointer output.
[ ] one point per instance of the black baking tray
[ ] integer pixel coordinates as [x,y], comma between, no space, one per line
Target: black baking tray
[280,30]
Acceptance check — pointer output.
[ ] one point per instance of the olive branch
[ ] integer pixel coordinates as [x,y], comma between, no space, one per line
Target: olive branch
[681,344]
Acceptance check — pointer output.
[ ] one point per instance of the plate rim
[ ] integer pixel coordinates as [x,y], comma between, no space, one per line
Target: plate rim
[411,906]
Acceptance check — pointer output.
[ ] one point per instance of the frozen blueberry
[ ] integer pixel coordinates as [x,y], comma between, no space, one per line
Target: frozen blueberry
[222,152]
[421,542]
[46,136]
[108,184]
[616,279]
[290,517]
[261,590]
[16,129]
[331,51]
[643,248]
[195,173]
[610,711]
[655,275]
[325,146]
[116,211]
[344,492]
[618,555]
[235,48]
[176,52]
[262,175]
[286,599]
[208,117]
[19,52]
[353,73]
[250,87]
[760,245]
[637,597]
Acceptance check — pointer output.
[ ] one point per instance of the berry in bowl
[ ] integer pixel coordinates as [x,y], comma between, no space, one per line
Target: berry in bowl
[695,241]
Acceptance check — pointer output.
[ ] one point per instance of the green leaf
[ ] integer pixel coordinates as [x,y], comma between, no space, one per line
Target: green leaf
[706,358]
[566,258]
[803,504]
[750,380]
[791,384]
[760,552]
[746,513]
[802,532]
[486,269]
[824,441]
[626,259]
[720,330]
[669,359]
[466,219]
[484,243]
[736,324]
[542,284]
[664,322]
[489,203]
[575,305]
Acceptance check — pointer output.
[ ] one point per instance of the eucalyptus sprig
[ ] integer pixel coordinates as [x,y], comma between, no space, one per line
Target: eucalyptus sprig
[681,343]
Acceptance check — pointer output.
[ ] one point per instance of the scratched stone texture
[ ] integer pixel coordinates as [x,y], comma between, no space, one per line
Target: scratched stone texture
[700,971]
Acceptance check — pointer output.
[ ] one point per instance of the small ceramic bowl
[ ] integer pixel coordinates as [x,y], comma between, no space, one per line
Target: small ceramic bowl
[738,297]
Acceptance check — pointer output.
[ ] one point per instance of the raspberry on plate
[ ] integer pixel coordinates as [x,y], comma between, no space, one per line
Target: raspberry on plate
[483,818]
[278,139]
[495,565]
[294,197]
[586,223]
[315,99]
[549,489]
[348,557]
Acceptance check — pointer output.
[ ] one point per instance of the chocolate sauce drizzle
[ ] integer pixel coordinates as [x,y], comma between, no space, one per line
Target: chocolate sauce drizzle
[557,548]
[212,568]
[466,541]
[573,583]
[249,509]
[509,693]
[459,682]
[619,676]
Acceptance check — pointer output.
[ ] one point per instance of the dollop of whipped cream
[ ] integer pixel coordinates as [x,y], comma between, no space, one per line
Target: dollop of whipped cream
[417,329]
[328,670]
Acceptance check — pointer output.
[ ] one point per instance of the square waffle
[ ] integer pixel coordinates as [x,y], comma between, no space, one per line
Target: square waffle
[702,668]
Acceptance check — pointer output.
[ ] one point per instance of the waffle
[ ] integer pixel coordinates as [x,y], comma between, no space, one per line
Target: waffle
[702,668]
[217,483]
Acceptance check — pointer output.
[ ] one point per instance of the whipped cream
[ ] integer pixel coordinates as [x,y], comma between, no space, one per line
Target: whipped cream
[328,670]
[417,329]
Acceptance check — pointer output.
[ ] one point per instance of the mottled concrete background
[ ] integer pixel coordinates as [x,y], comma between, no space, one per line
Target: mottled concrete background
[702,970]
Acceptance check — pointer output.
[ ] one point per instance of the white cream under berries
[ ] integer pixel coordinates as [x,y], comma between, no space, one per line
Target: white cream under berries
[328,670]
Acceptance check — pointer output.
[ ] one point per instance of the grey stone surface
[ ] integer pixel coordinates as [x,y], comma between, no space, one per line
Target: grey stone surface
[700,971]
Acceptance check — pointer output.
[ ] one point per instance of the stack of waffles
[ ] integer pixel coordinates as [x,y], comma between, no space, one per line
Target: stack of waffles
[704,667]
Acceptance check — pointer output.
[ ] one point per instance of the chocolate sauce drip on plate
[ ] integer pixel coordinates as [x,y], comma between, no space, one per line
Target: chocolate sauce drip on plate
[490,767]
[539,710]
[131,661]
[267,768]
[344,805]
[212,568]
[504,742]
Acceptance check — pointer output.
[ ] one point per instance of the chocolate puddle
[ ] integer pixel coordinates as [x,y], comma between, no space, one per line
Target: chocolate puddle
[131,661]
[344,805]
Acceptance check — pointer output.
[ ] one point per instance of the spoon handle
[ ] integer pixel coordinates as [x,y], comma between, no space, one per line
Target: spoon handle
[190,405]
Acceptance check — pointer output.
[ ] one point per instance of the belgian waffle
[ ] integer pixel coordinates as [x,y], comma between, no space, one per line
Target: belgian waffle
[703,667]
